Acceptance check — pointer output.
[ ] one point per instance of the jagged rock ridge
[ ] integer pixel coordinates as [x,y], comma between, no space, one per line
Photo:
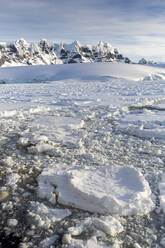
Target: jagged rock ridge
[21,52]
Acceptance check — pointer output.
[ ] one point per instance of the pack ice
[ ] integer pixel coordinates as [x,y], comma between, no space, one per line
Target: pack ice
[109,189]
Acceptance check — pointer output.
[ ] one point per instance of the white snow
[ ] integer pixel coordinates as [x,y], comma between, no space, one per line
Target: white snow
[112,189]
[87,71]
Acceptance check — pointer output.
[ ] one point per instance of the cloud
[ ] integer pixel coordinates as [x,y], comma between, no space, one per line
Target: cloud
[138,25]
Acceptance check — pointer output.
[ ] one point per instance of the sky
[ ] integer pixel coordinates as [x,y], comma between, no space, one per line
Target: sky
[136,27]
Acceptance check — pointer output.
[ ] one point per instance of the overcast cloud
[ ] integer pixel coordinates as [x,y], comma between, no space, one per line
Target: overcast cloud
[135,26]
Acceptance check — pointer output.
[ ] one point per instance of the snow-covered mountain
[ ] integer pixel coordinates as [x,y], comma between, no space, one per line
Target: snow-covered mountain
[21,52]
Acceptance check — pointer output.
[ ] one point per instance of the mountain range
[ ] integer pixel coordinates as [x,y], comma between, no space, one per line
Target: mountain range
[21,53]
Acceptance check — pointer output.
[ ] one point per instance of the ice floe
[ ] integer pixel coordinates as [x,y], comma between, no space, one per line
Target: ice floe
[111,189]
[49,128]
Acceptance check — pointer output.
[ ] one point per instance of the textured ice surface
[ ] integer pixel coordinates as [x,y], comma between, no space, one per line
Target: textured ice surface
[106,224]
[44,216]
[112,189]
[48,241]
[100,122]
[92,242]
[145,121]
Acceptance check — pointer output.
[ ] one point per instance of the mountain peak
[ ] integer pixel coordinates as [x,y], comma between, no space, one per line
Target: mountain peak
[77,43]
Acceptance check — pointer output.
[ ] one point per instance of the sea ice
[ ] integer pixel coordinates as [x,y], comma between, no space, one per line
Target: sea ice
[112,189]
[47,117]
[144,123]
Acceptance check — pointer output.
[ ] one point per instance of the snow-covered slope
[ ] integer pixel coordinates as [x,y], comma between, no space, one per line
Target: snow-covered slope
[88,71]
[22,53]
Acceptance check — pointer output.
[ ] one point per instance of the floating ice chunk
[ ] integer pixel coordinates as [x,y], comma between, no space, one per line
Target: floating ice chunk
[136,245]
[12,180]
[90,243]
[106,224]
[44,216]
[36,143]
[4,193]
[48,241]
[8,162]
[77,243]
[40,148]
[23,141]
[12,222]
[66,239]
[114,189]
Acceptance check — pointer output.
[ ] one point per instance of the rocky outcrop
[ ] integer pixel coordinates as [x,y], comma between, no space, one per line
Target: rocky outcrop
[144,62]
[23,53]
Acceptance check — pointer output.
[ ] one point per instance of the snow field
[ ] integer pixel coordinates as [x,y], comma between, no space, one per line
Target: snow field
[86,71]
